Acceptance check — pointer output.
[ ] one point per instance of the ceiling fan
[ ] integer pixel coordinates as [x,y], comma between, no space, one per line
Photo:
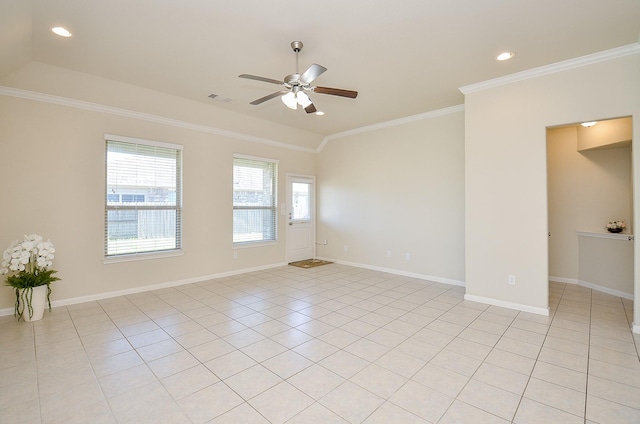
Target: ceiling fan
[296,84]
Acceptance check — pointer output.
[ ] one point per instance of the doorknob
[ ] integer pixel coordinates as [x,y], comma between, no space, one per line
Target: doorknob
[290,223]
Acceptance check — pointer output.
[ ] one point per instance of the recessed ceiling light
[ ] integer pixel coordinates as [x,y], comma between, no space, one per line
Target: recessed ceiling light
[589,124]
[505,56]
[319,112]
[61,31]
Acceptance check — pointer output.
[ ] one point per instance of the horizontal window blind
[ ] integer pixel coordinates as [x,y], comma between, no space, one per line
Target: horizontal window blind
[255,183]
[143,210]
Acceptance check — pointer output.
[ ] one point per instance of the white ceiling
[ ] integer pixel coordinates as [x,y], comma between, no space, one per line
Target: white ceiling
[404,57]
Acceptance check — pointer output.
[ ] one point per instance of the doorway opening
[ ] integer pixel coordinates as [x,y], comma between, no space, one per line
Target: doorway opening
[590,185]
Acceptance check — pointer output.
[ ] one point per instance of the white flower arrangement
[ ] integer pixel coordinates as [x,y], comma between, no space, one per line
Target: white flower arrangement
[27,262]
[614,225]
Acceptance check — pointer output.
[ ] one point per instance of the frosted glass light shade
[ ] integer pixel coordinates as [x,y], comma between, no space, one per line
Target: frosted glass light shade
[289,100]
[303,99]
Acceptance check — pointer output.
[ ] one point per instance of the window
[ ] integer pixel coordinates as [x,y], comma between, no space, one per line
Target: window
[255,183]
[143,212]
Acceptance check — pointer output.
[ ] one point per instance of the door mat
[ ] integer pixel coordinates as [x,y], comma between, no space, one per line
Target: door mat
[309,263]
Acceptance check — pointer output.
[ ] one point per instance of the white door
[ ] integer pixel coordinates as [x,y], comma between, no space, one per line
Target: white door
[301,240]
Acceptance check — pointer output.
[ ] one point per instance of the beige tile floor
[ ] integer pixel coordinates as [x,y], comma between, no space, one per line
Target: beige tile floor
[333,344]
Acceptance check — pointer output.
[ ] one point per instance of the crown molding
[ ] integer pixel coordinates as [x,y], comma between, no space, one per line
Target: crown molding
[111,110]
[392,123]
[553,68]
[96,107]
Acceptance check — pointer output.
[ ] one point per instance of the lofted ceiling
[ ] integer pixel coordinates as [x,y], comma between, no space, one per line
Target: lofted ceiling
[404,57]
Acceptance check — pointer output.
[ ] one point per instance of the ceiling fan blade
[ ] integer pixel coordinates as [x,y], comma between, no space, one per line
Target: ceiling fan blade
[312,72]
[263,79]
[310,109]
[268,97]
[336,92]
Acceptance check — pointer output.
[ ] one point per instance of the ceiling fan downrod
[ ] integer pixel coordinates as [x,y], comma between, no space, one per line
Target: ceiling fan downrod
[297,46]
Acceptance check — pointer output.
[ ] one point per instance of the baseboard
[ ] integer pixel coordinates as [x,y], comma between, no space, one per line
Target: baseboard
[508,305]
[589,285]
[563,280]
[399,272]
[107,295]
[606,290]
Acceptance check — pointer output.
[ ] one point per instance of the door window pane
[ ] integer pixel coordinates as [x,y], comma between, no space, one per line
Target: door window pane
[301,202]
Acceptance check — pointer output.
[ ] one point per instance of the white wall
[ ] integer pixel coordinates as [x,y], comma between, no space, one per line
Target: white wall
[606,264]
[401,189]
[52,167]
[506,182]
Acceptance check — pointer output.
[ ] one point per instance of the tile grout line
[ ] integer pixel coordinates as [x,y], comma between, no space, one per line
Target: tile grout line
[35,361]
[588,377]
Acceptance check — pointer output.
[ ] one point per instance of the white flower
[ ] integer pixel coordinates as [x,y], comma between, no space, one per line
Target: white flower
[615,225]
[29,254]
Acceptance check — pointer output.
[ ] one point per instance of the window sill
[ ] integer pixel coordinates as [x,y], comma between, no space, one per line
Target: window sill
[141,257]
[249,244]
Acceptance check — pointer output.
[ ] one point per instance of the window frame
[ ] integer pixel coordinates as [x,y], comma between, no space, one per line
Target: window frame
[274,201]
[133,206]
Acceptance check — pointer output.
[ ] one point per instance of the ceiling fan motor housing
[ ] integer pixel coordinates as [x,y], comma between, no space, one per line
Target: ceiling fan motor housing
[293,80]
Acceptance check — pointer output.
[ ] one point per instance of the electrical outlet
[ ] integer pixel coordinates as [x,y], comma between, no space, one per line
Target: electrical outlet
[388,253]
[346,248]
[235,254]
[407,256]
[324,242]
[511,280]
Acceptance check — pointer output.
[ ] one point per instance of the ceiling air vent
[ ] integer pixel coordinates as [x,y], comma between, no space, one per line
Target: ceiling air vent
[219,98]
